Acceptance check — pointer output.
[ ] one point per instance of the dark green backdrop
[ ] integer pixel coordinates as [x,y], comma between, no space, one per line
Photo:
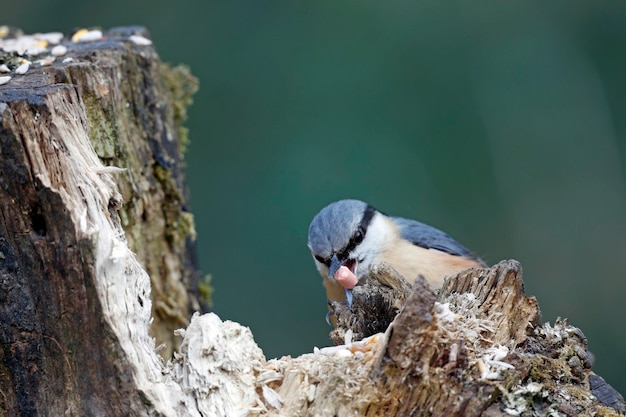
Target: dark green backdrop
[503,123]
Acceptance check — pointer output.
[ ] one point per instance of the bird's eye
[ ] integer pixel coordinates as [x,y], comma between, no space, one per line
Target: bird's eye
[358,236]
[322,260]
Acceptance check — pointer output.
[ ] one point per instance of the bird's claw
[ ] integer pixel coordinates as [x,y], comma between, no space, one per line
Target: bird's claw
[328,318]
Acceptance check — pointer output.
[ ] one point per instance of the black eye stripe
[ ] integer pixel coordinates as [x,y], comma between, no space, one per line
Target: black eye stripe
[359,234]
[367,217]
[322,260]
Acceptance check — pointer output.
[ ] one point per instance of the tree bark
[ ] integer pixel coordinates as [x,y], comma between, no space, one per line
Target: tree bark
[92,196]
[91,166]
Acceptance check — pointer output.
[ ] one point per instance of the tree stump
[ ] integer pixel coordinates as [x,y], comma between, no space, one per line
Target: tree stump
[93,137]
[92,201]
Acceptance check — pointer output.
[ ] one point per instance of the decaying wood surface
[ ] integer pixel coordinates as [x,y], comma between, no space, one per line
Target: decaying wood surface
[132,108]
[477,348]
[91,165]
[75,303]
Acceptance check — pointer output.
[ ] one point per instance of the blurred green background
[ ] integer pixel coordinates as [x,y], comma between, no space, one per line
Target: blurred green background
[502,123]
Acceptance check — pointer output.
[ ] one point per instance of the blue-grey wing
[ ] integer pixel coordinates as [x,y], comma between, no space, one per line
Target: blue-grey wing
[428,237]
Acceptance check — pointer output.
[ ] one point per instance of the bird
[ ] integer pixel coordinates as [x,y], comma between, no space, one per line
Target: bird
[347,237]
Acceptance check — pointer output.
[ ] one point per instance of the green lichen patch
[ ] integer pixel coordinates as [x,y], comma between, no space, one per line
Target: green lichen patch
[179,223]
[182,85]
[102,132]
[206,291]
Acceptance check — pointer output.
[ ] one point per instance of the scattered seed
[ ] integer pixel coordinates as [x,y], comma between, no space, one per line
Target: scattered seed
[4,68]
[36,50]
[23,44]
[85,35]
[140,40]
[79,34]
[5,79]
[51,38]
[67,60]
[45,62]
[21,70]
[59,50]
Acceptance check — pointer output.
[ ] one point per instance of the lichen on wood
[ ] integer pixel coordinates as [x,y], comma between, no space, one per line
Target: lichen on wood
[135,107]
[476,348]
[80,139]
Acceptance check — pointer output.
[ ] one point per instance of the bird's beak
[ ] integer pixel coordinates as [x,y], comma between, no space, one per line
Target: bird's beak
[335,264]
[348,297]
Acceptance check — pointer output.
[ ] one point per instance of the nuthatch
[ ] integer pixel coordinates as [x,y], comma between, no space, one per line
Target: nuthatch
[349,236]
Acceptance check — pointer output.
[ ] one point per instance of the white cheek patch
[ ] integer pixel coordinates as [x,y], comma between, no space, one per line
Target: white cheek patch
[377,238]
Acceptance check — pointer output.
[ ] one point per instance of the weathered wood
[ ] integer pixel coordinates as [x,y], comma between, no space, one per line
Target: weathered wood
[134,107]
[75,302]
[476,348]
[67,276]
[377,300]
[449,341]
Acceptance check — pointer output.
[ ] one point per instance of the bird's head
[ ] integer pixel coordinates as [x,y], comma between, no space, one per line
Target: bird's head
[346,233]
